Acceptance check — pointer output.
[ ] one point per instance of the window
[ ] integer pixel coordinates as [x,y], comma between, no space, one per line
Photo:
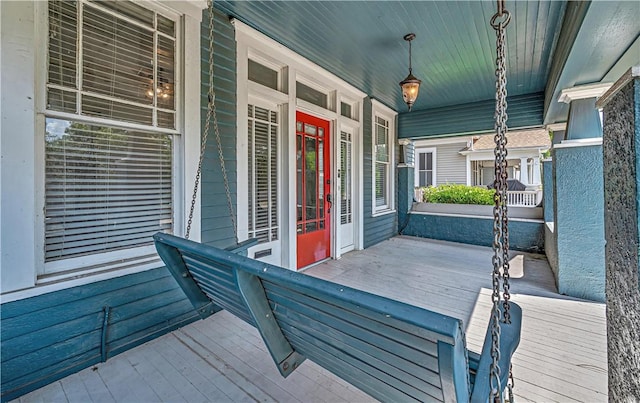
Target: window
[311,95]
[110,128]
[425,167]
[262,74]
[382,163]
[346,198]
[263,173]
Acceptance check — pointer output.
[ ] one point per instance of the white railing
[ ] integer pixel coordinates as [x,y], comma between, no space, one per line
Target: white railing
[524,198]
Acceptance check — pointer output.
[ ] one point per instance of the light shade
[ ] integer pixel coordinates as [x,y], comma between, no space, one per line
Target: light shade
[410,85]
[410,88]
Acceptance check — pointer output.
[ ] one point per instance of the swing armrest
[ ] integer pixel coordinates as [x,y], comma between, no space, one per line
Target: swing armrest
[242,247]
[509,340]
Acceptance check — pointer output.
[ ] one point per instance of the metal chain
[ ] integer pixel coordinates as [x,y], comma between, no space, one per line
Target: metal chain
[500,259]
[211,115]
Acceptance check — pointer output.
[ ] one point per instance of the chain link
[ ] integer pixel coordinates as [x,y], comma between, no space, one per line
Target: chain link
[500,258]
[211,115]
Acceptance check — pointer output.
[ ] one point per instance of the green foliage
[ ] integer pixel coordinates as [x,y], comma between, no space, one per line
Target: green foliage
[458,194]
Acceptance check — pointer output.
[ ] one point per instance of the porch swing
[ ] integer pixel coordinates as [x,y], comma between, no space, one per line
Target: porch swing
[390,350]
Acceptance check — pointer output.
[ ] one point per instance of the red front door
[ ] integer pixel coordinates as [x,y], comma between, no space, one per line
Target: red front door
[313,186]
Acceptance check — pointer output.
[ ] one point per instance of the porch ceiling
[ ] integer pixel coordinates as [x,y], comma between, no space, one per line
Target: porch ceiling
[453,53]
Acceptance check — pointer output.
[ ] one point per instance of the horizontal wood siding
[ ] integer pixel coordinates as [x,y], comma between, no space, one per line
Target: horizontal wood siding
[217,227]
[524,111]
[376,229]
[47,337]
[451,167]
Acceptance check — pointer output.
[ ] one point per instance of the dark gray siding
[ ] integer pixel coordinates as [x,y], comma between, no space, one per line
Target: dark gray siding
[217,228]
[376,229]
[524,111]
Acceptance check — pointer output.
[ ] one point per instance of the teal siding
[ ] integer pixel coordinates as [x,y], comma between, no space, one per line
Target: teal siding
[50,336]
[524,111]
[376,229]
[217,228]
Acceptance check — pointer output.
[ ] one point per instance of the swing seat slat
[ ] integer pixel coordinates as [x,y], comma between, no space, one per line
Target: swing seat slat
[391,350]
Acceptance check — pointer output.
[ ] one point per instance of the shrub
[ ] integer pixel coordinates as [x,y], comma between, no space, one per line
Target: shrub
[458,194]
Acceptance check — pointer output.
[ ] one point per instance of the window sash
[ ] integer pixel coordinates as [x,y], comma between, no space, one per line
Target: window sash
[382,164]
[106,188]
[110,74]
[262,162]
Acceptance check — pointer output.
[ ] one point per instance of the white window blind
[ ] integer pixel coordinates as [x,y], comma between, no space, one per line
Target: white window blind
[345,179]
[108,186]
[263,173]
[123,67]
[105,188]
[382,161]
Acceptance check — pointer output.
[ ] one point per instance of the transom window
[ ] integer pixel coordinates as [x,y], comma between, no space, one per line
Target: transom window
[110,127]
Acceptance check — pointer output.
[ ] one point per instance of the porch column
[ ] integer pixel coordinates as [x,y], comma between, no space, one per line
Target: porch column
[621,143]
[406,182]
[578,197]
[524,171]
[536,171]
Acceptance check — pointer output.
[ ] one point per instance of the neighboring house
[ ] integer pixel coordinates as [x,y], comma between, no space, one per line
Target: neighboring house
[470,160]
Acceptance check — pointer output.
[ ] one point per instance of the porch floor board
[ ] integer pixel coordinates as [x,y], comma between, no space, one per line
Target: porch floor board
[562,355]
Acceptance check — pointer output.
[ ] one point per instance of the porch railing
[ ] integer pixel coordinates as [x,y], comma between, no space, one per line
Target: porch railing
[524,198]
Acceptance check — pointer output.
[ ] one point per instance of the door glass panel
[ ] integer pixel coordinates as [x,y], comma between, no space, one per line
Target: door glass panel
[310,129]
[299,178]
[312,226]
[345,178]
[311,171]
[321,177]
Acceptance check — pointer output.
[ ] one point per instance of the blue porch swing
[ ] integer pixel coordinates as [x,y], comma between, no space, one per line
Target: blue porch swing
[390,350]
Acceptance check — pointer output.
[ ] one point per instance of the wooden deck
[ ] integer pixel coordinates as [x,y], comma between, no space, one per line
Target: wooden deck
[562,356]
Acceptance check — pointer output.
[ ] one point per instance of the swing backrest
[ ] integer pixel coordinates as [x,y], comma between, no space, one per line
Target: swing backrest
[391,350]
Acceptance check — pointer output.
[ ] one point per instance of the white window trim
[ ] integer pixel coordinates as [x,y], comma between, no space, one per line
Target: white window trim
[24,55]
[381,110]
[433,152]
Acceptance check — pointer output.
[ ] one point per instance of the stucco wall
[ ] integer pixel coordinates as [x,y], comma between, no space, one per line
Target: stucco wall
[524,235]
[579,222]
[621,144]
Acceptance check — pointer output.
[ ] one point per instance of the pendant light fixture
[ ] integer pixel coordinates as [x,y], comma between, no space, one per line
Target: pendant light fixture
[410,85]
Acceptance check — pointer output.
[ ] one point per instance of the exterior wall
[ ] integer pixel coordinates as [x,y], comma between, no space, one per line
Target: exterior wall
[382,227]
[621,144]
[524,235]
[477,117]
[579,223]
[550,239]
[217,229]
[451,167]
[50,336]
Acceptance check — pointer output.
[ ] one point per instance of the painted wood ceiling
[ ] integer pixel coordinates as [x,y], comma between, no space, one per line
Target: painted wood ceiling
[453,53]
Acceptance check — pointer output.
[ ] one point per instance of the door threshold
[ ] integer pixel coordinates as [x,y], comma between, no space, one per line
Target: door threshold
[314,264]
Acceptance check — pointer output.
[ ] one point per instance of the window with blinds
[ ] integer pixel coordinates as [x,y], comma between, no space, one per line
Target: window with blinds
[263,173]
[113,60]
[382,163]
[346,196]
[108,181]
[105,188]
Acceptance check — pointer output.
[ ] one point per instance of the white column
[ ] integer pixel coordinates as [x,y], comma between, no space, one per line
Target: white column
[536,171]
[524,171]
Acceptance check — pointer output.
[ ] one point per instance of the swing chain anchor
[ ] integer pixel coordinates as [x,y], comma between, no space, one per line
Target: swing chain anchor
[502,13]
